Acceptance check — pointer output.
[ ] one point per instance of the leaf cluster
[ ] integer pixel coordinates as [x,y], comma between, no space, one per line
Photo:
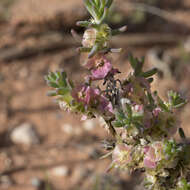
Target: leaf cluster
[98,9]
[59,81]
[137,65]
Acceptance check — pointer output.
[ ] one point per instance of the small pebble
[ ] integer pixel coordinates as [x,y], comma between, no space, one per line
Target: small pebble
[60,171]
[36,182]
[89,124]
[67,128]
[70,130]
[25,134]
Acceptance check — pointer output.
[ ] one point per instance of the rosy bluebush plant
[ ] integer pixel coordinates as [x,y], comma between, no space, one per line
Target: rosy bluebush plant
[141,123]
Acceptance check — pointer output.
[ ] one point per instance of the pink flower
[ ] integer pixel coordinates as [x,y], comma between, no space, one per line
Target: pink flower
[85,94]
[105,105]
[94,61]
[122,154]
[156,111]
[150,157]
[91,96]
[102,70]
[149,163]
[153,154]
[84,117]
[138,109]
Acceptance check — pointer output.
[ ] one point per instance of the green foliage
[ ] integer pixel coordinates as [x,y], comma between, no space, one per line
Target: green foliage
[98,9]
[62,85]
[146,122]
[171,148]
[175,100]
[137,66]
[183,185]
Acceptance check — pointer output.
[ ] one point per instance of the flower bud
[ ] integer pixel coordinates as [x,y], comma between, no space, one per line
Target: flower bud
[138,110]
[156,111]
[89,37]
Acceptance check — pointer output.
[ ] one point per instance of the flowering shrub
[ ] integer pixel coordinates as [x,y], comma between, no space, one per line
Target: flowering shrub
[141,123]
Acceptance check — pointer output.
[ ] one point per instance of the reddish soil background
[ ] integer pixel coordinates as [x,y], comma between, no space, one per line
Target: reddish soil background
[34,39]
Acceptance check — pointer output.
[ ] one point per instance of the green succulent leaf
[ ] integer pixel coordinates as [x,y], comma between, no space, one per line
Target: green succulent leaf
[133,61]
[163,105]
[109,3]
[149,73]
[89,7]
[52,93]
[93,51]
[59,81]
[118,124]
[129,111]
[171,147]
[175,100]
[104,15]
[150,99]
[184,185]
[139,66]
[119,30]
[83,23]
[98,2]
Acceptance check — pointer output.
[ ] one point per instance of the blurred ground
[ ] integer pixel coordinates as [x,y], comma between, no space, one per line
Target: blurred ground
[35,38]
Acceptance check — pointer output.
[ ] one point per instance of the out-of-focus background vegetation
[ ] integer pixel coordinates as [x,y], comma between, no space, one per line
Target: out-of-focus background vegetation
[43,148]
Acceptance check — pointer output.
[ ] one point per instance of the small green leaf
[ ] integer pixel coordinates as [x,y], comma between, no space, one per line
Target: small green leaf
[83,24]
[103,16]
[150,99]
[149,73]
[93,2]
[84,49]
[53,84]
[98,3]
[175,100]
[118,124]
[102,7]
[119,30]
[109,3]
[106,155]
[133,62]
[89,8]
[63,91]
[93,51]
[96,11]
[162,104]
[120,115]
[52,76]
[52,93]
[129,111]
[138,68]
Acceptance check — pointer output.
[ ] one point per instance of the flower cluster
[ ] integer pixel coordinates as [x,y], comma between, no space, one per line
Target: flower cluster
[141,123]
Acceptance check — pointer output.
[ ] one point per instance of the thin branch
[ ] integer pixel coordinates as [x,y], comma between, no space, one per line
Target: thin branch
[169,16]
